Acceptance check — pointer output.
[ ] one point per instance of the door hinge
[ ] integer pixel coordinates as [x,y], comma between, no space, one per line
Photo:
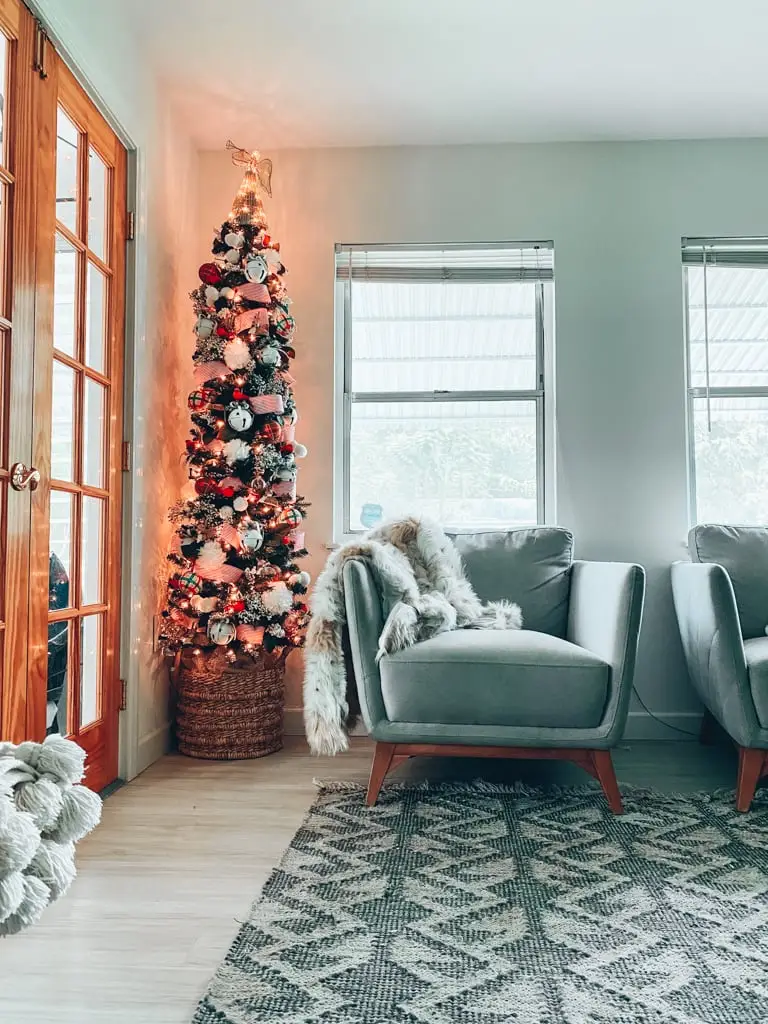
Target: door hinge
[130,226]
[125,457]
[123,695]
[39,63]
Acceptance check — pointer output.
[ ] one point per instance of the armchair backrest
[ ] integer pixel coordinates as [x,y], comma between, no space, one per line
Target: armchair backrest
[529,566]
[743,552]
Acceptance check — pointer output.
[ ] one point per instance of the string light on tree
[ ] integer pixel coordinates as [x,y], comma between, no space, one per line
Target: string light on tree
[235,582]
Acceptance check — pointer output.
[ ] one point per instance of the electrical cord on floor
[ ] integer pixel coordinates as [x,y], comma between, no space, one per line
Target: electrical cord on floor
[644,706]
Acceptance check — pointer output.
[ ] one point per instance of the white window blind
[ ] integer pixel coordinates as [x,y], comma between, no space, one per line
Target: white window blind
[441,355]
[726,289]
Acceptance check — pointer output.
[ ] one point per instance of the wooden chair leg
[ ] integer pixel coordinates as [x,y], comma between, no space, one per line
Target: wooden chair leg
[601,759]
[751,764]
[708,730]
[382,760]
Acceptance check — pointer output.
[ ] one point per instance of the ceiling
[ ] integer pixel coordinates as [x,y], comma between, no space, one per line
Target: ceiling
[275,73]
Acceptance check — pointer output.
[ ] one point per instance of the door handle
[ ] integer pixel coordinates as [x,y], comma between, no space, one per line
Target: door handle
[21,477]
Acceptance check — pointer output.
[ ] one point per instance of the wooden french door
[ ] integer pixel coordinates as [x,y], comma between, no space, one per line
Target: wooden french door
[60,583]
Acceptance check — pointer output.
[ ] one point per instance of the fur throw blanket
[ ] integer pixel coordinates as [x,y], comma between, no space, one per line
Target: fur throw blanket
[423,590]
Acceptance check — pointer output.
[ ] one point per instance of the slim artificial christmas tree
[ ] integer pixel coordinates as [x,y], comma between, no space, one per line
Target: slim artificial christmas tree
[235,585]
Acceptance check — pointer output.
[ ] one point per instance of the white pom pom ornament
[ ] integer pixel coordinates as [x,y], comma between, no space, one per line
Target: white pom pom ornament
[234,239]
[237,354]
[236,450]
[299,451]
[211,556]
[277,599]
[211,294]
[240,504]
[232,256]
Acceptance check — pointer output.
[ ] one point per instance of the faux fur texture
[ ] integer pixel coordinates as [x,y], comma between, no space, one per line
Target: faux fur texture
[423,590]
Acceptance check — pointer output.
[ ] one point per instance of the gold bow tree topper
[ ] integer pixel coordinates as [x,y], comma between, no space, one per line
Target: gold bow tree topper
[247,206]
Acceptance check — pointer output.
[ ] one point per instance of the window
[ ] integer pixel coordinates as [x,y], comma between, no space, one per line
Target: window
[443,354]
[726,289]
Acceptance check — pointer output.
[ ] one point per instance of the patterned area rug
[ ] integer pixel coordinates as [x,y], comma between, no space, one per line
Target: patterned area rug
[481,904]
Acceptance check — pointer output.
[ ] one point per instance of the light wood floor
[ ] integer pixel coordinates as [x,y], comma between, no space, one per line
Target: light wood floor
[183,850]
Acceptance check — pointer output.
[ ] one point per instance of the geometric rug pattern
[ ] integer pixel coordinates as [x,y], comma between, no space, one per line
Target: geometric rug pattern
[485,904]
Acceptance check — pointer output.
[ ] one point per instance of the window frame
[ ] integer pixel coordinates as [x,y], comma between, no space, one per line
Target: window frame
[713,245]
[345,398]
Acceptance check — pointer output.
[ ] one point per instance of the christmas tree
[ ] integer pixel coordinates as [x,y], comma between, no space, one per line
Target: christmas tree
[234,581]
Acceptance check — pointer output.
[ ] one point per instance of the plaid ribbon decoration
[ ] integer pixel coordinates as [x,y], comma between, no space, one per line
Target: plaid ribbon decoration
[263,404]
[254,292]
[210,371]
[250,634]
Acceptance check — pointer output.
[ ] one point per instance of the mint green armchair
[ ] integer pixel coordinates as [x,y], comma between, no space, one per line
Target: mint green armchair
[721,601]
[559,688]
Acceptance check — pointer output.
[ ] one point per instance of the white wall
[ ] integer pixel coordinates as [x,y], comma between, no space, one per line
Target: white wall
[616,213]
[97,38]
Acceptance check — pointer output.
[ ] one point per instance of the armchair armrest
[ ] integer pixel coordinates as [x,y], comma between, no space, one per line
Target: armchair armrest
[604,616]
[365,622]
[714,650]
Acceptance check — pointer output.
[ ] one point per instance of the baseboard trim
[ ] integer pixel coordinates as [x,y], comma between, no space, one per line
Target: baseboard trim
[664,726]
[640,725]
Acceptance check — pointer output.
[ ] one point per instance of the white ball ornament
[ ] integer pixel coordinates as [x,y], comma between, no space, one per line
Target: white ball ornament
[232,256]
[299,451]
[227,293]
[240,418]
[226,513]
[256,269]
[253,537]
[240,504]
[269,356]
[211,294]
[204,327]
[234,240]
[222,632]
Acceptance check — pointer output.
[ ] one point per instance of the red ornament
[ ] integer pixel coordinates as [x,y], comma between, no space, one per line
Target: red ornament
[226,492]
[224,332]
[238,395]
[237,606]
[286,448]
[266,242]
[209,273]
[271,431]
[205,486]
[290,352]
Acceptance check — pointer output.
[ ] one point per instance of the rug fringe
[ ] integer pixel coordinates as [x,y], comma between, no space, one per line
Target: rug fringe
[524,790]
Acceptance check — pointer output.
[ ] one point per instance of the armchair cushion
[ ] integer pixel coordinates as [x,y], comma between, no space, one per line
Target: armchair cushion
[495,678]
[530,567]
[756,653]
[743,552]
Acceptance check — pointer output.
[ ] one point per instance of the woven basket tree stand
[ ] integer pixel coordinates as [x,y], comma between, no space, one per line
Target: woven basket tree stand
[227,711]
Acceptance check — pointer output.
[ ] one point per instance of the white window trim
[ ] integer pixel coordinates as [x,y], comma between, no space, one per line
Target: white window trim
[544,395]
[734,252]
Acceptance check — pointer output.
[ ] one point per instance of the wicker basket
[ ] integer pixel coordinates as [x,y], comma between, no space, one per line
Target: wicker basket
[226,711]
